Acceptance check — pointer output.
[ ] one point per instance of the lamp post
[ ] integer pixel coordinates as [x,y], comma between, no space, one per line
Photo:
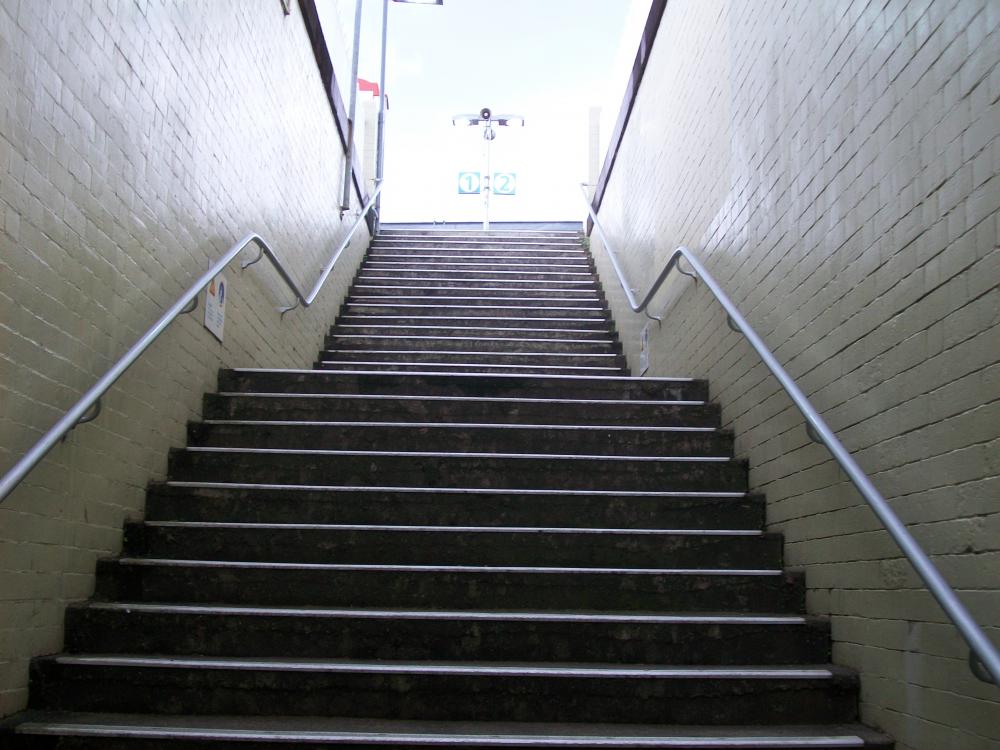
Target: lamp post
[488,120]
[345,201]
[380,138]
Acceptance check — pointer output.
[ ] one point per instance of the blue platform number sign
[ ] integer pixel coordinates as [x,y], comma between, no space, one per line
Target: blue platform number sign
[505,183]
[469,183]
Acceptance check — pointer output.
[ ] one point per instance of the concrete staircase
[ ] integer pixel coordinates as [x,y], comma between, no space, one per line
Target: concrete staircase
[467,526]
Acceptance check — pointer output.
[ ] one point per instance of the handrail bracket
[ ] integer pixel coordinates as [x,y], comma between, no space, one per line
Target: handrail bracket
[91,414]
[247,264]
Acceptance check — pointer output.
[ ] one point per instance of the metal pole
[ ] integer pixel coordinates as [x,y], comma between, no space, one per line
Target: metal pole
[345,202]
[486,178]
[380,147]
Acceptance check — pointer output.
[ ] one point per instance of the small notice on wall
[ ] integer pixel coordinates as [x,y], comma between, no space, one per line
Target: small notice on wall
[644,350]
[215,306]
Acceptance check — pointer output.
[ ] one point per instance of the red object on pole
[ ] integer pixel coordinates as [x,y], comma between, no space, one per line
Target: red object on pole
[364,85]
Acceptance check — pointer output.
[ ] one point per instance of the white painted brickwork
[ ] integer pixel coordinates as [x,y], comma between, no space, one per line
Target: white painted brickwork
[138,141]
[837,165]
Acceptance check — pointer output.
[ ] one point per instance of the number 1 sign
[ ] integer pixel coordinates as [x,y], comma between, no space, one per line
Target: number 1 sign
[469,183]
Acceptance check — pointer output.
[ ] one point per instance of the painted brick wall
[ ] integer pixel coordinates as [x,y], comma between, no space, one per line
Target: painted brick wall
[138,141]
[836,165]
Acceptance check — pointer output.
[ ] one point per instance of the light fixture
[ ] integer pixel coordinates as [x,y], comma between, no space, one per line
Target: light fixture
[488,119]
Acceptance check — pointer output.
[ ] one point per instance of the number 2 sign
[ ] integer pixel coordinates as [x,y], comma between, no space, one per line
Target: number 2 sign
[505,183]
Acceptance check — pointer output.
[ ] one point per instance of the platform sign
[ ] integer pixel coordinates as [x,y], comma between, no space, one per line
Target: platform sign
[505,183]
[469,183]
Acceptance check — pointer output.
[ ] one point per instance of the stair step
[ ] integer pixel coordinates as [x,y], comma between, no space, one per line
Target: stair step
[506,302]
[519,275]
[489,243]
[463,437]
[532,309]
[536,256]
[449,586]
[456,284]
[351,633]
[453,545]
[446,408]
[90,730]
[512,345]
[609,388]
[595,333]
[448,469]
[379,261]
[444,690]
[573,324]
[269,503]
[397,231]
[464,288]
[456,354]
[390,364]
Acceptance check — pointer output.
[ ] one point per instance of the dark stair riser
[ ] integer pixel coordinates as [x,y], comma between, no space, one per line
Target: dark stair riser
[416,547]
[522,325]
[442,437]
[443,697]
[513,258]
[476,276]
[580,304]
[409,470]
[376,263]
[461,409]
[388,292]
[390,364]
[480,329]
[770,742]
[534,248]
[449,588]
[96,631]
[470,385]
[166,502]
[499,345]
[602,364]
[434,231]
[414,311]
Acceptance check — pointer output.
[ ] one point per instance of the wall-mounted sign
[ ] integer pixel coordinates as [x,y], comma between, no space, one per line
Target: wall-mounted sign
[644,349]
[215,306]
[469,183]
[505,183]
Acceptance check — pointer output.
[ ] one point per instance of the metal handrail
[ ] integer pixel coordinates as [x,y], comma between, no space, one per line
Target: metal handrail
[987,668]
[90,401]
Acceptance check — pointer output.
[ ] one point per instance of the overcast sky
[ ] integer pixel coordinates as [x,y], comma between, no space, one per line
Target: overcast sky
[548,60]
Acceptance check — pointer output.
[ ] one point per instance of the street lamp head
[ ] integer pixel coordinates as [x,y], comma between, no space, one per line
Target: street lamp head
[486,117]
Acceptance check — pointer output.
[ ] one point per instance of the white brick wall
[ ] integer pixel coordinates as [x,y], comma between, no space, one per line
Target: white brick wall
[836,165]
[138,141]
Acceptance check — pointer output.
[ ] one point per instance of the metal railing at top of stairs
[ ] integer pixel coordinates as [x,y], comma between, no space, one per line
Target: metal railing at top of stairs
[89,405]
[984,658]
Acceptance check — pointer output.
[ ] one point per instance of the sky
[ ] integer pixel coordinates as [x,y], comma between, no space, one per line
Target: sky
[549,61]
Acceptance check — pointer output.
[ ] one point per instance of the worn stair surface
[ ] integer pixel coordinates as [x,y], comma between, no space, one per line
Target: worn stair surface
[466,526]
